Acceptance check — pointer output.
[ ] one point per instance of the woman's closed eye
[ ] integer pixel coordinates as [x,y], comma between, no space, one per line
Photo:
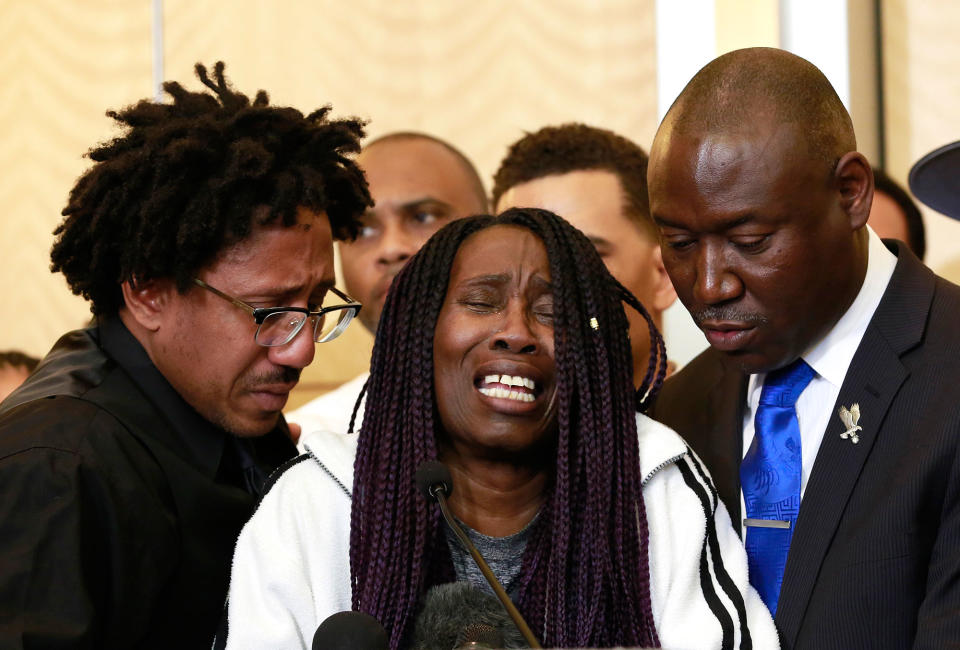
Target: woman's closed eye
[481,301]
[543,309]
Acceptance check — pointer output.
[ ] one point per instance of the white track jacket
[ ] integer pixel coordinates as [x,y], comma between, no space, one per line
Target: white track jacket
[291,568]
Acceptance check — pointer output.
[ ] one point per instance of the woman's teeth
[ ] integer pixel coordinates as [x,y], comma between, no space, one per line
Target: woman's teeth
[525,384]
[503,393]
[508,380]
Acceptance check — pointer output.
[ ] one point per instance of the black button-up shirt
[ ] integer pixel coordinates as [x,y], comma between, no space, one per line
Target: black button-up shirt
[119,504]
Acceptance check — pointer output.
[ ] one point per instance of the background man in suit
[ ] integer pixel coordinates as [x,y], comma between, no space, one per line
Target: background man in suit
[854,486]
[129,460]
[419,184]
[596,180]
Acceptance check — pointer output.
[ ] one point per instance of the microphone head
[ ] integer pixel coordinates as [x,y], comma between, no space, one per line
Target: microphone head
[350,631]
[432,474]
[457,614]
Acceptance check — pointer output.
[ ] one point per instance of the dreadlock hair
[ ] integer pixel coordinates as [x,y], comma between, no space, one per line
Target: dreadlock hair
[190,178]
[585,574]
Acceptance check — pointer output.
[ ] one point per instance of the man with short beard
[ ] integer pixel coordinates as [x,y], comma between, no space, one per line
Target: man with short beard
[825,407]
[203,238]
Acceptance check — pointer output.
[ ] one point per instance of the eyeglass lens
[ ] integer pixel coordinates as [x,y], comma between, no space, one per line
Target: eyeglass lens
[279,328]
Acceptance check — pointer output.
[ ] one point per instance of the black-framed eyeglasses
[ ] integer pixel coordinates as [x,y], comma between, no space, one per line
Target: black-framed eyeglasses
[279,325]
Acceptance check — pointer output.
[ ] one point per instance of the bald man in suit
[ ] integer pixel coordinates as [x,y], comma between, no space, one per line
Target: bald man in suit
[762,200]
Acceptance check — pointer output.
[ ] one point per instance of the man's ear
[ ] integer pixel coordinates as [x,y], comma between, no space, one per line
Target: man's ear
[146,301]
[664,294]
[854,179]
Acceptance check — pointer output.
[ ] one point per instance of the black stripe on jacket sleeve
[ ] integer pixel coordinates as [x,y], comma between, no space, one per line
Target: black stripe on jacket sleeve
[723,576]
[706,581]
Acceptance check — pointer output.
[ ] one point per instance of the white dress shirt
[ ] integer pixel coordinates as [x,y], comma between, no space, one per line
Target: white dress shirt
[830,358]
[331,411]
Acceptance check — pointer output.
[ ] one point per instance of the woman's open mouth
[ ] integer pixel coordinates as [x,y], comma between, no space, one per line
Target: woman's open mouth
[513,387]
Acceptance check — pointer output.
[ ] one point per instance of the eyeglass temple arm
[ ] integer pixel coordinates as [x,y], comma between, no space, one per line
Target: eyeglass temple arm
[250,309]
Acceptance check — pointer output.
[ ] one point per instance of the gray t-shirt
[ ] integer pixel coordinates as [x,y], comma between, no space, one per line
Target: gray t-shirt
[503,554]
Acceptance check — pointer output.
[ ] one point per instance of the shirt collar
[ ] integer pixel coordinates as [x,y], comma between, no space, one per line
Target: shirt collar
[203,442]
[831,356]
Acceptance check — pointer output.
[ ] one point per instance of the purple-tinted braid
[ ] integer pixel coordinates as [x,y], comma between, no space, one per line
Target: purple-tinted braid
[585,576]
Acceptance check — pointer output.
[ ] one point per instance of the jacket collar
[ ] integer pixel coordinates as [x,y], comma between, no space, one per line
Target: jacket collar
[721,421]
[659,447]
[335,453]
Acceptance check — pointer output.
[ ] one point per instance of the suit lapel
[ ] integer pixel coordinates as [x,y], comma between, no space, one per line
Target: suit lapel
[872,381]
[725,423]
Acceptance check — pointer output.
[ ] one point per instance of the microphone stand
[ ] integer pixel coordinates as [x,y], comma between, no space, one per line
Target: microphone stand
[438,492]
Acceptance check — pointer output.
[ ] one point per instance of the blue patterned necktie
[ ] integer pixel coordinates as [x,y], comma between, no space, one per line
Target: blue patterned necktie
[770,478]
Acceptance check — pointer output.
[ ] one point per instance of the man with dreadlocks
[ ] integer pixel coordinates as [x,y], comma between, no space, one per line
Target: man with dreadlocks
[502,351]
[129,460]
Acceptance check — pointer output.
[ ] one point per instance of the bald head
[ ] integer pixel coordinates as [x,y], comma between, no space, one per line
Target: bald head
[467,170]
[736,91]
[761,203]
[418,183]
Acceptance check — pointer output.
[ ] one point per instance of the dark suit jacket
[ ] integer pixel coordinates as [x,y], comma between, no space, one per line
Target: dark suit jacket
[119,505]
[875,557]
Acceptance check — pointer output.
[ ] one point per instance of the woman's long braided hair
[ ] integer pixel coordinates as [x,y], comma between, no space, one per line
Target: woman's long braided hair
[585,574]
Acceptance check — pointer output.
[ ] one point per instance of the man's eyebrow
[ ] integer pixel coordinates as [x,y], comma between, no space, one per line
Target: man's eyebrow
[326,283]
[737,221]
[281,292]
[666,223]
[598,241]
[417,202]
[722,225]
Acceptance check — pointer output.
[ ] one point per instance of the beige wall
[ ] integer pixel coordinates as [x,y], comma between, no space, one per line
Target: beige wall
[746,23]
[922,95]
[476,73]
[62,64]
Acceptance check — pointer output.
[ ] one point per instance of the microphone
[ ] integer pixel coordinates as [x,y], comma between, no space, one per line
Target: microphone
[440,623]
[435,482]
[350,631]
